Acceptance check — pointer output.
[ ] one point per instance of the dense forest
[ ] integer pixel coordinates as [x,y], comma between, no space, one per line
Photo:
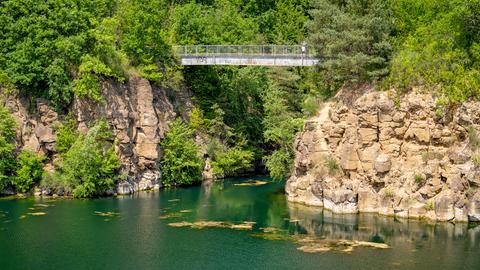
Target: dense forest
[58,49]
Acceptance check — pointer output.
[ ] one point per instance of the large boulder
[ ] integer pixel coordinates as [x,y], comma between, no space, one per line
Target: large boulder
[382,163]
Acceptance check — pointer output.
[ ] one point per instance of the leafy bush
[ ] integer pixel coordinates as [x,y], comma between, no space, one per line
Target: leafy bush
[89,167]
[231,160]
[66,134]
[281,122]
[29,171]
[181,163]
[279,164]
[42,42]
[7,147]
[437,48]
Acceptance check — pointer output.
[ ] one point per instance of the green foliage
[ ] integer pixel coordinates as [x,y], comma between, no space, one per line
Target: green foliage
[226,149]
[144,35]
[389,193]
[66,134]
[88,82]
[89,167]
[197,119]
[437,45]
[352,38]
[279,164]
[180,163]
[7,147]
[429,206]
[476,160]
[419,179]
[29,171]
[230,160]
[42,41]
[220,23]
[282,120]
[332,165]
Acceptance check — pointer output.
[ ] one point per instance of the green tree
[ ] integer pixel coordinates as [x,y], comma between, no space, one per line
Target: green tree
[352,39]
[281,122]
[7,147]
[438,48]
[90,166]
[29,171]
[181,163]
[42,42]
[66,134]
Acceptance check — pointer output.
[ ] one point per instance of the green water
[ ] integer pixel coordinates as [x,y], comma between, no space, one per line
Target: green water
[72,236]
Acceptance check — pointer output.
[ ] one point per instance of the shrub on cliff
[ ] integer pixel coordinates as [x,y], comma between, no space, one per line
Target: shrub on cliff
[90,166]
[7,147]
[181,162]
[29,171]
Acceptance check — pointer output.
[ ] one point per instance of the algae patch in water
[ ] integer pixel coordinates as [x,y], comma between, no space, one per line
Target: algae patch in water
[272,233]
[251,183]
[186,211]
[37,214]
[174,200]
[42,205]
[202,224]
[311,244]
[106,214]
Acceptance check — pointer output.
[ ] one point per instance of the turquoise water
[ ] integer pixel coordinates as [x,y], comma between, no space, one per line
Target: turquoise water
[71,235]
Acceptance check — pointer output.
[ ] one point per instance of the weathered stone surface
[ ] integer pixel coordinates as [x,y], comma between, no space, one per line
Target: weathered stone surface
[124,188]
[367,201]
[400,161]
[474,208]
[382,163]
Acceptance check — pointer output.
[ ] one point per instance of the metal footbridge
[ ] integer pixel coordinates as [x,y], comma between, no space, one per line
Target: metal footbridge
[246,55]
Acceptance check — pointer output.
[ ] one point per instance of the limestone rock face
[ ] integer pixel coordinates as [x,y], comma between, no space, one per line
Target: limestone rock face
[137,112]
[394,160]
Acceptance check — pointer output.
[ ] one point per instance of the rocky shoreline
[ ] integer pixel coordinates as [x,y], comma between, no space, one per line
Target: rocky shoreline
[405,160]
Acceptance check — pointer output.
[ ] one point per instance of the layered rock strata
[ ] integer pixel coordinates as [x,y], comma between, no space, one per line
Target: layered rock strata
[403,159]
[137,112]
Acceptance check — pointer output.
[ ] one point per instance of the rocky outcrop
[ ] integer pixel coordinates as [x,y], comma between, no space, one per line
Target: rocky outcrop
[402,160]
[137,112]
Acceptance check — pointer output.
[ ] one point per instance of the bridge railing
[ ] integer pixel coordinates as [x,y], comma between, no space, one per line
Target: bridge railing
[245,50]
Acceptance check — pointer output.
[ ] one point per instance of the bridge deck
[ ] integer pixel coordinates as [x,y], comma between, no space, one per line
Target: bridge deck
[253,55]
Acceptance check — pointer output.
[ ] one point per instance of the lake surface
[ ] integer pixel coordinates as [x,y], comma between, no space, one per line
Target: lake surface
[81,234]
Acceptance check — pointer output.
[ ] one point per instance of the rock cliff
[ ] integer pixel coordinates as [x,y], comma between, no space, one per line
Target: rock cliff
[137,112]
[404,159]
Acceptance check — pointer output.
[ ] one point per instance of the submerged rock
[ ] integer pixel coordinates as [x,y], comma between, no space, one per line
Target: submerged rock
[106,214]
[203,224]
[251,183]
